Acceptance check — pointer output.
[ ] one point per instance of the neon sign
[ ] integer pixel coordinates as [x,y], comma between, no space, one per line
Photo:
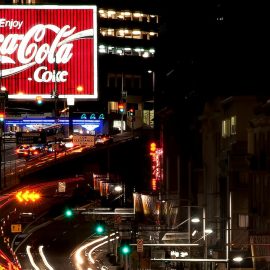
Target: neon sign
[92,116]
[44,45]
[156,166]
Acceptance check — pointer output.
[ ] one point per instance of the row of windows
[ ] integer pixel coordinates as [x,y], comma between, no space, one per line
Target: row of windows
[128,33]
[127,51]
[129,81]
[228,127]
[128,16]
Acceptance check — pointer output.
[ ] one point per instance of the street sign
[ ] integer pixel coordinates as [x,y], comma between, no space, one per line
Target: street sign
[6,239]
[139,245]
[16,228]
[84,140]
[61,186]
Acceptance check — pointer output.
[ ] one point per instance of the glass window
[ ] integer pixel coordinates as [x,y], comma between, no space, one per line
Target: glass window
[243,221]
[225,128]
[233,125]
[112,106]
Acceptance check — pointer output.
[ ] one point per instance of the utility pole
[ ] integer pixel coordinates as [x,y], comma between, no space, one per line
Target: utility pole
[55,91]
[123,98]
[1,135]
[3,98]
[2,124]
[55,96]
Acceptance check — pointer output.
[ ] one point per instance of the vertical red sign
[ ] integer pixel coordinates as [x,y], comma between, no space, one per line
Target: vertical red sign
[48,48]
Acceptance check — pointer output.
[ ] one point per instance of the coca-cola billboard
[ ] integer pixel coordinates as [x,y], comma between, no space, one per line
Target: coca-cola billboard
[48,50]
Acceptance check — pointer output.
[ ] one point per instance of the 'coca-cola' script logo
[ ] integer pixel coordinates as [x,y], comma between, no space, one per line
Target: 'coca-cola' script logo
[29,53]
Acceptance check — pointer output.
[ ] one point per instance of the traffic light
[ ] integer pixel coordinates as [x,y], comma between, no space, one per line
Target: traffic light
[125,249]
[2,117]
[100,227]
[121,107]
[131,112]
[68,212]
[39,100]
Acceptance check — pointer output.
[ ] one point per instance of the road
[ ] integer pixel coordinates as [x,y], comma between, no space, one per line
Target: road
[50,203]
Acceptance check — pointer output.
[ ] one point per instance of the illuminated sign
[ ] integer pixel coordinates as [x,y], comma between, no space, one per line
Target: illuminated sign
[156,166]
[48,50]
[92,116]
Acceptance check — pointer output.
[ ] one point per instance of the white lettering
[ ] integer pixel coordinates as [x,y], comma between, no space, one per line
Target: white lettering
[10,24]
[31,49]
[49,76]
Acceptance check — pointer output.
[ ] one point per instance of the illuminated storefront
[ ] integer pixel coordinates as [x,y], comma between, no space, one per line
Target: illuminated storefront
[90,123]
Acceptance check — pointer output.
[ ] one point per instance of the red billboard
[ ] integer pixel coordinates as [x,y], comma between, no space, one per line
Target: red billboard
[48,50]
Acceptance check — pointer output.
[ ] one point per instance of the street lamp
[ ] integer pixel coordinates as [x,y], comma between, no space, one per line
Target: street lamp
[240,260]
[70,101]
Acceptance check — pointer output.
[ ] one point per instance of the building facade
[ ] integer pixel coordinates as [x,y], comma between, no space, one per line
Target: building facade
[235,132]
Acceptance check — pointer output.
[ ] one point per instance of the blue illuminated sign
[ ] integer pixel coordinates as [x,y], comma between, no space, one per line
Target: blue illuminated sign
[91,116]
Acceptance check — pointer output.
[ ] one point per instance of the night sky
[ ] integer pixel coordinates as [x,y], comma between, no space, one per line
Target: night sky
[214,47]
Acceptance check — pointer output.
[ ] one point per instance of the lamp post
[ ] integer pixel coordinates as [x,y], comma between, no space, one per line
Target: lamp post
[3,99]
[69,102]
[153,92]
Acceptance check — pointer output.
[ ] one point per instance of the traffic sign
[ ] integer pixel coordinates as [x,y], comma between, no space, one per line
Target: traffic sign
[84,140]
[139,245]
[6,239]
[16,228]
[61,186]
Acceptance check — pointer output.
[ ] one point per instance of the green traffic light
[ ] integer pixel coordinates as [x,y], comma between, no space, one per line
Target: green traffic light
[68,213]
[125,249]
[100,229]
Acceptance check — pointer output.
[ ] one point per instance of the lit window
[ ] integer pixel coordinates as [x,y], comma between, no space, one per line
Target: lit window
[233,125]
[243,221]
[102,49]
[126,51]
[110,32]
[111,14]
[113,106]
[145,54]
[225,128]
[120,33]
[118,51]
[137,14]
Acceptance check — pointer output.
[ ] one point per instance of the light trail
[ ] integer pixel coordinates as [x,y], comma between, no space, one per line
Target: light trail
[31,258]
[40,249]
[90,258]
[78,257]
